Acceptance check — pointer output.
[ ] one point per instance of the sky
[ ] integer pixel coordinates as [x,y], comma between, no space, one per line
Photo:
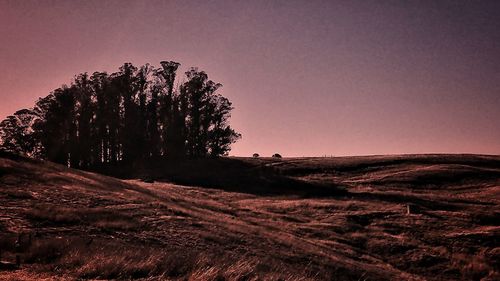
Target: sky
[306,78]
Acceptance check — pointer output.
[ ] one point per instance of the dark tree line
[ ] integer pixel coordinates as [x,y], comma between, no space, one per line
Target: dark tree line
[133,115]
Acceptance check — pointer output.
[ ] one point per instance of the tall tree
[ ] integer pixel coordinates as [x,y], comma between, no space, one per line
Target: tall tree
[100,86]
[220,134]
[153,124]
[16,133]
[194,89]
[130,137]
[114,118]
[168,106]
[84,119]
[142,124]
[56,131]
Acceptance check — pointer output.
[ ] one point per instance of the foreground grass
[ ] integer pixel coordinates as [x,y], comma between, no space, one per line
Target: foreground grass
[81,258]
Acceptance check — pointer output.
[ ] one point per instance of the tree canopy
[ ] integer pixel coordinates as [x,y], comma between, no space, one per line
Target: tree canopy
[132,115]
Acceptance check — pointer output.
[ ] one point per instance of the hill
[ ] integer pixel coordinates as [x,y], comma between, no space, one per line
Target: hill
[408,217]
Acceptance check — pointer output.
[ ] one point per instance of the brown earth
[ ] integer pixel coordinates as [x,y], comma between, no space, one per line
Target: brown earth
[409,217]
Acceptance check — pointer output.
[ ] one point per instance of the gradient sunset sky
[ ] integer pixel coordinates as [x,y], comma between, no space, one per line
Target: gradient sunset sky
[307,78]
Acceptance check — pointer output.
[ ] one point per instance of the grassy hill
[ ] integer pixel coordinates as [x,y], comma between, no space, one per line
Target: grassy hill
[408,217]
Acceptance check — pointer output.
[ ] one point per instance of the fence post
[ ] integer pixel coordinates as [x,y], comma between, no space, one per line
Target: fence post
[17,247]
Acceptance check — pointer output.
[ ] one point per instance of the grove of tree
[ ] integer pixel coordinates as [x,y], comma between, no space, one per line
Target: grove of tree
[136,114]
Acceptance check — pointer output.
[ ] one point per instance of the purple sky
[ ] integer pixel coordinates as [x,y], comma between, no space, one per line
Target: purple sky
[307,78]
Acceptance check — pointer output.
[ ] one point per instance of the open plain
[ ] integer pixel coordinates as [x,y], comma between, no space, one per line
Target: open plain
[404,217]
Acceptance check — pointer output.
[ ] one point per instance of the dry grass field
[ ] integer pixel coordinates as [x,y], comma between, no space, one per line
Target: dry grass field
[411,217]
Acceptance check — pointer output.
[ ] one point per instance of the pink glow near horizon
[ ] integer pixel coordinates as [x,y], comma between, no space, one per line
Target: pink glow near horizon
[307,78]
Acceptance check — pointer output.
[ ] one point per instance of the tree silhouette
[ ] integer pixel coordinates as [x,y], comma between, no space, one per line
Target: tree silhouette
[17,134]
[126,117]
[169,108]
[100,86]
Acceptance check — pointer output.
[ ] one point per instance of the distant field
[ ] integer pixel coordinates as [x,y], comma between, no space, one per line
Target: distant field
[407,217]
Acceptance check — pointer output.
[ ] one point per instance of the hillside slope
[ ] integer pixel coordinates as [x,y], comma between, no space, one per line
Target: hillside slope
[258,221]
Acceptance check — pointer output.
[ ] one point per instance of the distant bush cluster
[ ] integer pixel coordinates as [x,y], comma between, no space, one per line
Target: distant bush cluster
[127,116]
[276,155]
